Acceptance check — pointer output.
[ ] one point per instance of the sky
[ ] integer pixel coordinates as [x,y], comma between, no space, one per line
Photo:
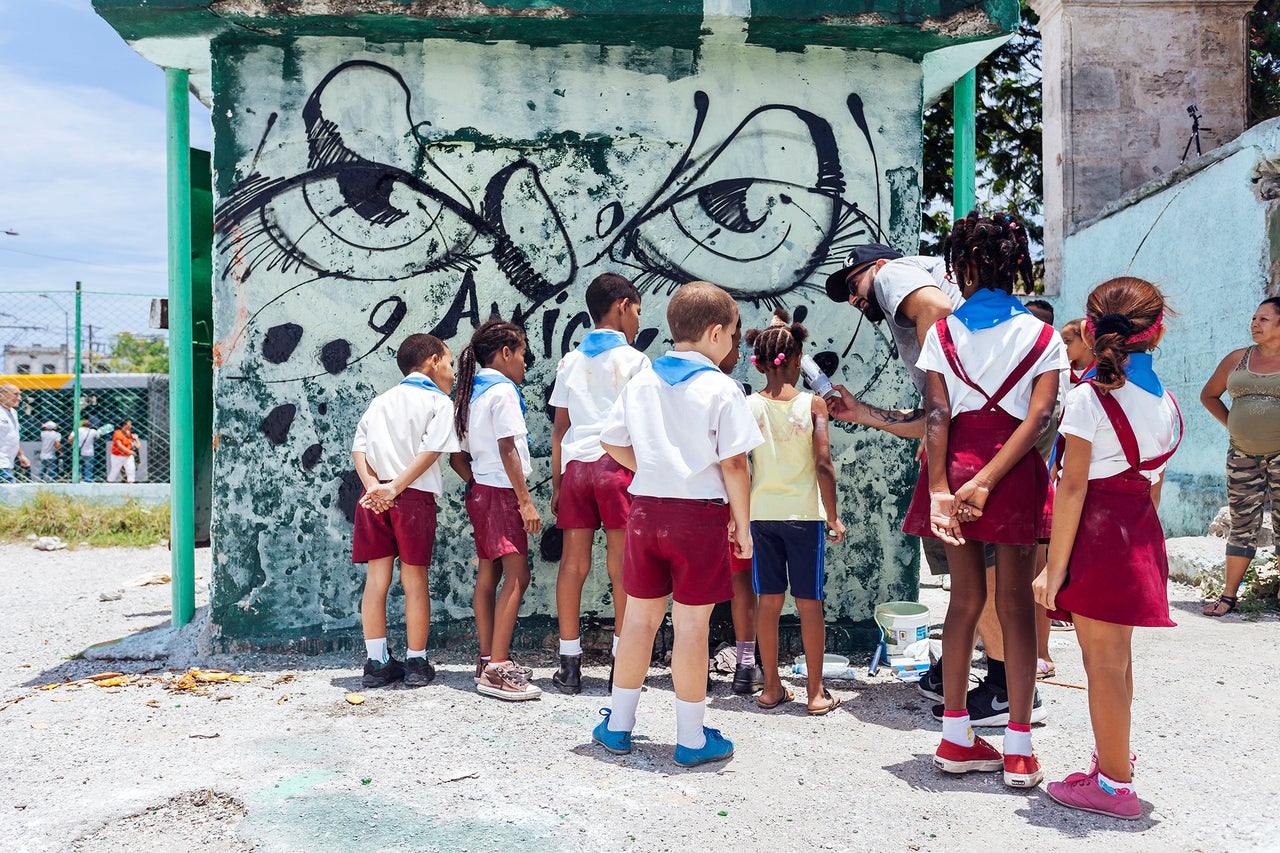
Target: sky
[82,158]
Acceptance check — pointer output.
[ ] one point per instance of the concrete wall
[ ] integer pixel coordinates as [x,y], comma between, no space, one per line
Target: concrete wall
[1208,242]
[1116,118]
[369,190]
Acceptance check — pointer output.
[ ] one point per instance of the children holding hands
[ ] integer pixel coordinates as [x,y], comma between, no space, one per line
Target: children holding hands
[396,453]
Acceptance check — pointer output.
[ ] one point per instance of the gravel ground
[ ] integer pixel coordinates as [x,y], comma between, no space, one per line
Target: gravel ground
[282,762]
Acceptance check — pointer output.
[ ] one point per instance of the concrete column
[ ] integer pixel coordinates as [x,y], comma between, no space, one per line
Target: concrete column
[1118,77]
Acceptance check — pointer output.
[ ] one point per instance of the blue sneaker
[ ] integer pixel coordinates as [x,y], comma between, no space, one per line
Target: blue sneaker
[717,748]
[619,743]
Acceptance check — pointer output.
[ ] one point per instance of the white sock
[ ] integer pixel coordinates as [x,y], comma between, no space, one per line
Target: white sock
[571,647]
[377,649]
[615,645]
[622,716]
[420,653]
[1017,743]
[1112,786]
[689,718]
[747,654]
[957,730]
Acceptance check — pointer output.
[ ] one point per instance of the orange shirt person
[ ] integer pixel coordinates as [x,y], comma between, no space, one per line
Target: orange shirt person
[124,444]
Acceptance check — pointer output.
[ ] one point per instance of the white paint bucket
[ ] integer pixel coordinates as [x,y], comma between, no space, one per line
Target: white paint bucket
[903,623]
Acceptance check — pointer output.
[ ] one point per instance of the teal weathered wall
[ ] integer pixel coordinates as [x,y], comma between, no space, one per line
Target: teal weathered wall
[366,191]
[1208,242]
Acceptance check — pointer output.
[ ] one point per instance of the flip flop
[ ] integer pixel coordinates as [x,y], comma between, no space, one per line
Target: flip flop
[1212,609]
[1045,669]
[835,703]
[787,696]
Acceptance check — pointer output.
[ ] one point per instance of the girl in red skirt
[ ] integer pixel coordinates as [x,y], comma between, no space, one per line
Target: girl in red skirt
[1107,567]
[991,380]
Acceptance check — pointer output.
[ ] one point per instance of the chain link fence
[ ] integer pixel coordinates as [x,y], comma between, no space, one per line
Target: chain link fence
[117,428]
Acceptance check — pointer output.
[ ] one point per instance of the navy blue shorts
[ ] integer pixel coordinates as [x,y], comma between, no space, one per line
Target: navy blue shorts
[794,550]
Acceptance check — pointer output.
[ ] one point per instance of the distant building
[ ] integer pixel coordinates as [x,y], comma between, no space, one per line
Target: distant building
[35,360]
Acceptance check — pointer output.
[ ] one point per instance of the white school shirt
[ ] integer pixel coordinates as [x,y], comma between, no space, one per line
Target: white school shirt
[87,436]
[989,356]
[681,433]
[493,415]
[1154,421]
[588,387]
[897,280]
[49,439]
[9,437]
[402,422]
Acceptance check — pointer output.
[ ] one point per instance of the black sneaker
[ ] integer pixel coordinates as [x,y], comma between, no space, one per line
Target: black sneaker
[568,678]
[381,674]
[418,672]
[747,679]
[989,707]
[930,684]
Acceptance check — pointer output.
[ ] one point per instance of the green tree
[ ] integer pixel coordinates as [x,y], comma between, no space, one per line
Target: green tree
[131,353]
[1264,61]
[1008,140]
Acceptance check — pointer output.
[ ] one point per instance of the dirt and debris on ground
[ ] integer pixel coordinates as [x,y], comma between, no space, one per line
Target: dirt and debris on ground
[265,752]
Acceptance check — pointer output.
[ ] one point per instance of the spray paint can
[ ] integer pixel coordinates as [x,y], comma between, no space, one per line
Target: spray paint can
[815,378]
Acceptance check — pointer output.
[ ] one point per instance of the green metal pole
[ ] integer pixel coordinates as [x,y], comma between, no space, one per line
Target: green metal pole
[181,418]
[75,401]
[964,168]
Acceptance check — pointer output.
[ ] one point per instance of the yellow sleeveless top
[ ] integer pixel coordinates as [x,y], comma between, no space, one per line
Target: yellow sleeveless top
[784,480]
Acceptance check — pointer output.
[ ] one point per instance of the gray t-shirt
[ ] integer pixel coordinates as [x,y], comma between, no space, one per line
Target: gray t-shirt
[49,443]
[896,281]
[87,438]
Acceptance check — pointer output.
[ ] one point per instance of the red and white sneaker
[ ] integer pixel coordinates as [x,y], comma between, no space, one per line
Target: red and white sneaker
[1022,771]
[1082,791]
[954,758]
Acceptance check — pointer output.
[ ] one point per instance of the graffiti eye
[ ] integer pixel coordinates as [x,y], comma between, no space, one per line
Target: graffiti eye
[771,225]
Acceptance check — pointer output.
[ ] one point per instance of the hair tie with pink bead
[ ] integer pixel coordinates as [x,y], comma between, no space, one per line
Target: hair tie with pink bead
[777,362]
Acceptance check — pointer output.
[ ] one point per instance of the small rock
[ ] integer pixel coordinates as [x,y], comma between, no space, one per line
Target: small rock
[110,596]
[49,543]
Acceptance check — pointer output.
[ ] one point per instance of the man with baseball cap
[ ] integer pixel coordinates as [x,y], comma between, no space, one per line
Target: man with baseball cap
[911,294]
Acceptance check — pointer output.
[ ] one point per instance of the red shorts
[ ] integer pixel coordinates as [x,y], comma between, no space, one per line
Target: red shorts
[677,547]
[495,520]
[737,564]
[594,495]
[407,530]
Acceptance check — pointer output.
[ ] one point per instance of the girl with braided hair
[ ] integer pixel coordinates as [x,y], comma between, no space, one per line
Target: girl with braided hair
[793,507]
[1107,566]
[991,380]
[494,463]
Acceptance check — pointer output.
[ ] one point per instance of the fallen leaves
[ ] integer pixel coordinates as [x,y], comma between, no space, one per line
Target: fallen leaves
[355,699]
[193,681]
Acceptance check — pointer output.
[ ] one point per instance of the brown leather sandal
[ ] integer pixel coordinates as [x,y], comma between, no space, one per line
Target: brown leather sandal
[1212,609]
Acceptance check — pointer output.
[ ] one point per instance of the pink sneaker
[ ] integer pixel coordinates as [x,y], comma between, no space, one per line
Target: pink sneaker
[953,758]
[1082,791]
[1022,771]
[1093,763]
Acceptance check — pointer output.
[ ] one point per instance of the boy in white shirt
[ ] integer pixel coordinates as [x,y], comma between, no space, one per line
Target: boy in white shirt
[685,429]
[588,486]
[396,451]
[50,448]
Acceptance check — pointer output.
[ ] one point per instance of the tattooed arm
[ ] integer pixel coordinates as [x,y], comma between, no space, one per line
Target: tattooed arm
[907,423]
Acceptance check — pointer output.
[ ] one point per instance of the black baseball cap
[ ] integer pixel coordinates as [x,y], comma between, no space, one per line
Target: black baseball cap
[858,260]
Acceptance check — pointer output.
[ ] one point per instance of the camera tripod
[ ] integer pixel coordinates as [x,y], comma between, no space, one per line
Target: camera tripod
[1194,112]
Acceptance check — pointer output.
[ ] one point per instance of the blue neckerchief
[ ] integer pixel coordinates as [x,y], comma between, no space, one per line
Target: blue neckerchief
[485,381]
[987,309]
[1090,373]
[420,381]
[1139,371]
[674,370]
[601,340]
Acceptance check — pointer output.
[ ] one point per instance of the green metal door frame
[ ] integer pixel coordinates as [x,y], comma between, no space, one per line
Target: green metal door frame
[181,415]
[964,171]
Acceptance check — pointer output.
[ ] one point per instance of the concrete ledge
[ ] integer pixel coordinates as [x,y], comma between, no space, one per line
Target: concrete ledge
[109,493]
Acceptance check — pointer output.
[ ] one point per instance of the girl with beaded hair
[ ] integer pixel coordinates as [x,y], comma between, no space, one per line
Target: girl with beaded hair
[1107,567]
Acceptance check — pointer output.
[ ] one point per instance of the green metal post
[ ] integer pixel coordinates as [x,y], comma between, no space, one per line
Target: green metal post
[181,418]
[964,168]
[75,402]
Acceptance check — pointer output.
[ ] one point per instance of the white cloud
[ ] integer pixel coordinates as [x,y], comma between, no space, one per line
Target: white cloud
[83,178]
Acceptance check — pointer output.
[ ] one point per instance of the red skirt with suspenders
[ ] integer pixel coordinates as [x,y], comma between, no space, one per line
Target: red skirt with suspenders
[1019,509]
[1118,571]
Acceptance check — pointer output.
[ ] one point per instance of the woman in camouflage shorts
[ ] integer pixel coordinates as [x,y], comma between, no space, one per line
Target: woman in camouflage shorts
[1252,377]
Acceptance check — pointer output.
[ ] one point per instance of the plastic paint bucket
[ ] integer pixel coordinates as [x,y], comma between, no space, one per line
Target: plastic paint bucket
[903,623]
